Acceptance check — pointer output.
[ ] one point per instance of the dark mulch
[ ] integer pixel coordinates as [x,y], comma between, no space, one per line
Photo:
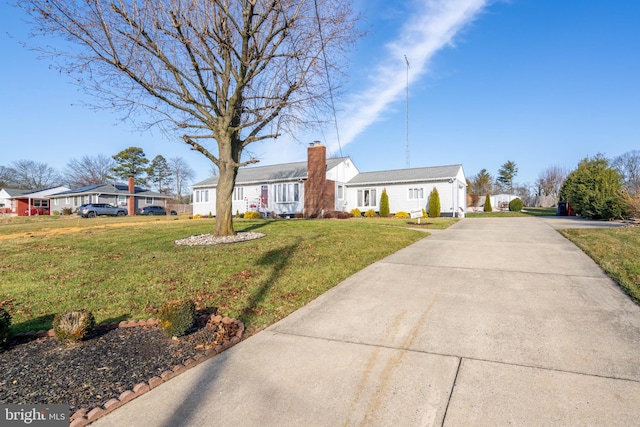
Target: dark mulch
[88,374]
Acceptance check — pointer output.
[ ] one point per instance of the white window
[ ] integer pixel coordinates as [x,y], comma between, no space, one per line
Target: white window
[340,192]
[205,196]
[238,193]
[75,201]
[148,200]
[416,193]
[286,193]
[122,200]
[67,200]
[367,197]
[197,196]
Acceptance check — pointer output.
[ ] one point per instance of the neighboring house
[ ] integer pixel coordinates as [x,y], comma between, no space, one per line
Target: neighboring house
[500,202]
[326,185]
[126,195]
[23,202]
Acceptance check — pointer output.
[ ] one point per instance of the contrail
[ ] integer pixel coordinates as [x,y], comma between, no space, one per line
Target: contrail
[431,27]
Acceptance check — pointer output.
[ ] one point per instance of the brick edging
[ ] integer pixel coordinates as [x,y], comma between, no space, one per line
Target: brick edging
[85,416]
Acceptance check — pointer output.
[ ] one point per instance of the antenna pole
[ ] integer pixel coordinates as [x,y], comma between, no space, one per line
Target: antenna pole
[407,109]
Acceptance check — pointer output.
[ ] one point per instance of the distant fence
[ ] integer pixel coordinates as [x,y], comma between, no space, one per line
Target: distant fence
[181,208]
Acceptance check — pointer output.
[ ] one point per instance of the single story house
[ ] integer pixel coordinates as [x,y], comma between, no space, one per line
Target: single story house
[25,202]
[326,185]
[126,195]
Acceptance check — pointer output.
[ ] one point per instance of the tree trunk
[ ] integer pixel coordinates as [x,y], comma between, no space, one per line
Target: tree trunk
[224,198]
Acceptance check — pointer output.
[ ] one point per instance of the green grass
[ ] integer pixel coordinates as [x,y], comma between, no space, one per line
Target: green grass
[616,251]
[126,268]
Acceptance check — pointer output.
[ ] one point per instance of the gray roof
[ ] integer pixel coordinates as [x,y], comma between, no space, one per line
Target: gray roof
[15,192]
[271,173]
[109,189]
[398,176]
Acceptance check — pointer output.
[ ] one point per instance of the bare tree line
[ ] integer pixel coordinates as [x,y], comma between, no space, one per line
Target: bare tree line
[92,170]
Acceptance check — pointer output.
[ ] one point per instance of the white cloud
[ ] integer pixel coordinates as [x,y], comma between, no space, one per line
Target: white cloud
[432,26]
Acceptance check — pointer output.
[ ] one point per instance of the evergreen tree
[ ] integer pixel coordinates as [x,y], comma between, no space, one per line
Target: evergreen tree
[131,162]
[160,173]
[384,204]
[434,203]
[506,173]
[595,189]
[487,204]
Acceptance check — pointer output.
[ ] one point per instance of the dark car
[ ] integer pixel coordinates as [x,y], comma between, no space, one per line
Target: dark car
[152,210]
[96,209]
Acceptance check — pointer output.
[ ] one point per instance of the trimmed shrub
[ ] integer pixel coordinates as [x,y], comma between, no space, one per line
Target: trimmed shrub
[402,215]
[370,213]
[197,216]
[424,213]
[355,212]
[384,204]
[5,327]
[343,215]
[73,326]
[176,317]
[252,215]
[516,205]
[55,213]
[434,203]
[487,204]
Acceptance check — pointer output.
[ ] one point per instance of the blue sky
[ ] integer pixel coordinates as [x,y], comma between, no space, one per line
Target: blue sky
[539,82]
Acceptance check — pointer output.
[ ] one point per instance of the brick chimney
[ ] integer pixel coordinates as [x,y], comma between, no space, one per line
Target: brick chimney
[318,192]
[132,198]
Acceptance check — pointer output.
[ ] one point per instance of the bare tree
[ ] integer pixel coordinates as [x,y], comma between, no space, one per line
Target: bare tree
[182,176]
[31,175]
[7,177]
[550,181]
[221,74]
[628,165]
[89,170]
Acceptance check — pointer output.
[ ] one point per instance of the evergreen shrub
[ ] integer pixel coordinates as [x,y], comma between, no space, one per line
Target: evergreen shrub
[176,317]
[434,203]
[402,215]
[355,212]
[73,326]
[516,205]
[384,204]
[5,327]
[487,204]
[370,213]
[252,215]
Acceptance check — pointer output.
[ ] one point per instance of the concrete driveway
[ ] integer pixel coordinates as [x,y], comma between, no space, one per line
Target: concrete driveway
[492,322]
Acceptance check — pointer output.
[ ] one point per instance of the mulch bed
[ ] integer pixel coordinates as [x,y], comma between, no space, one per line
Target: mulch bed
[111,362]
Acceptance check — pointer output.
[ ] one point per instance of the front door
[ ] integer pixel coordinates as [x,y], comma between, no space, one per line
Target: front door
[264,197]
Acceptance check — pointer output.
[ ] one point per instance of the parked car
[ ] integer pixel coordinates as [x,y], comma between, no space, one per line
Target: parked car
[96,209]
[152,210]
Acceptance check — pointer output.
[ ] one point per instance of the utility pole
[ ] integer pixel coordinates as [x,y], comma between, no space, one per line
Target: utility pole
[408,159]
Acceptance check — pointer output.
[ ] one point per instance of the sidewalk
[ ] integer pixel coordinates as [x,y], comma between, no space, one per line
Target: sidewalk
[490,322]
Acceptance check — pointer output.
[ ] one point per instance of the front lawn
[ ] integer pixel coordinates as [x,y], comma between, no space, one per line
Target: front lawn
[615,250]
[126,268]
